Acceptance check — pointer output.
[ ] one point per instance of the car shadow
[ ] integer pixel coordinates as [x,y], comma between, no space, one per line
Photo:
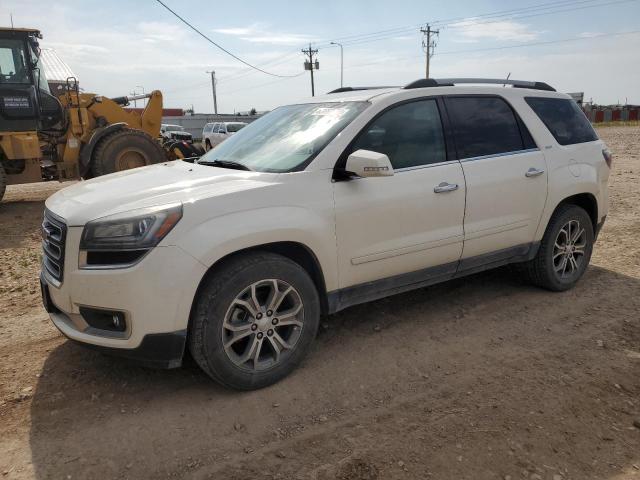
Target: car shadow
[95,416]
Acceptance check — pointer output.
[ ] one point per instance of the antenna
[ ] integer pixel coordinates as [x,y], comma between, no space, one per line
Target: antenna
[11,15]
[504,84]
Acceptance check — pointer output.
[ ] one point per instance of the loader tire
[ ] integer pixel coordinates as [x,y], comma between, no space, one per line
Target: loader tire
[198,149]
[123,150]
[3,181]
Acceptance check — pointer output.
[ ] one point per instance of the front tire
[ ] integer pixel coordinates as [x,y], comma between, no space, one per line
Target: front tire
[565,250]
[254,321]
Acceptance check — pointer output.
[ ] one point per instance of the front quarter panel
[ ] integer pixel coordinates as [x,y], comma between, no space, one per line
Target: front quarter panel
[297,209]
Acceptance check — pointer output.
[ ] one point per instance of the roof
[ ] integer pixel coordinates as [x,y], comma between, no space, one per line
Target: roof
[54,67]
[437,87]
[21,30]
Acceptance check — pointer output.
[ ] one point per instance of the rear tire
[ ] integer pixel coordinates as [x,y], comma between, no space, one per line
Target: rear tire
[123,150]
[3,182]
[240,334]
[565,250]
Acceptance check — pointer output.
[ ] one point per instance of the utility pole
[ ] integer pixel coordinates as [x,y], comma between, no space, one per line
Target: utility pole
[341,62]
[135,102]
[213,89]
[429,44]
[311,65]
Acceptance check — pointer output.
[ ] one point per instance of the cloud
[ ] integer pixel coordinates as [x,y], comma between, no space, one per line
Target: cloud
[260,33]
[160,31]
[472,30]
[235,31]
[589,34]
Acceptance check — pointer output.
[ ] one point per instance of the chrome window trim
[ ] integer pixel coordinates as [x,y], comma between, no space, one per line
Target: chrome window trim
[496,155]
[426,165]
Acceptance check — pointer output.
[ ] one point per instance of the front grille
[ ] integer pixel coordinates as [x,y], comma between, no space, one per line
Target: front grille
[54,234]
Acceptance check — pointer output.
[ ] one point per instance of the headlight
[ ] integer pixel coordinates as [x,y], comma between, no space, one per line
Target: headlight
[123,239]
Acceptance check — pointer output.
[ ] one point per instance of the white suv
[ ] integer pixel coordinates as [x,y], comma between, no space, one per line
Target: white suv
[317,206]
[215,133]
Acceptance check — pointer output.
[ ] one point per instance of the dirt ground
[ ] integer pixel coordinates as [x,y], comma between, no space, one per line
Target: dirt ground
[479,378]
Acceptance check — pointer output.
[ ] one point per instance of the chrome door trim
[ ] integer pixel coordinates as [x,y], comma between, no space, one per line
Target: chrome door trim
[497,155]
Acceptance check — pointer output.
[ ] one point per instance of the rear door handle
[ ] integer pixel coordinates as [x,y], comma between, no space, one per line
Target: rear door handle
[445,187]
[533,172]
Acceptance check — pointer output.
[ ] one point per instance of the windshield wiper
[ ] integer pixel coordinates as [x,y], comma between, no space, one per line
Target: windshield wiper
[225,164]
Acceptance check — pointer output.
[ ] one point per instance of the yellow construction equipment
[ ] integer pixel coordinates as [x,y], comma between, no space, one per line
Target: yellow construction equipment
[72,135]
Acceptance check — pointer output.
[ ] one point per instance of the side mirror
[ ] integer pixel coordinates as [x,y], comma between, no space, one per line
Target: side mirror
[366,163]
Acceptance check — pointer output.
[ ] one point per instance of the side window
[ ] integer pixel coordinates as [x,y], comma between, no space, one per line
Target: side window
[216,126]
[207,128]
[564,119]
[484,126]
[409,134]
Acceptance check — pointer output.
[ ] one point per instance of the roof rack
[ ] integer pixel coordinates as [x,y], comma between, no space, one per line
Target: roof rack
[353,89]
[449,82]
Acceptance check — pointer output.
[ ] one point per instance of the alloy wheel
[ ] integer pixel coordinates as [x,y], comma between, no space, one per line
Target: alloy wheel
[263,324]
[569,250]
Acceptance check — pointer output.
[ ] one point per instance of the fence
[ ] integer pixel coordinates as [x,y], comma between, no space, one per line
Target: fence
[626,113]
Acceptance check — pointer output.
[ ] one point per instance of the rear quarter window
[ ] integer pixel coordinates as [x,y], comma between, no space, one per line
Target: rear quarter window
[564,119]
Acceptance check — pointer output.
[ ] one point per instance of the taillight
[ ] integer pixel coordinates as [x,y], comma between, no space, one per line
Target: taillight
[608,156]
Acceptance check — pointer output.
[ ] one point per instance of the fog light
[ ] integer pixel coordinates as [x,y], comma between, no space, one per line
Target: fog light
[111,320]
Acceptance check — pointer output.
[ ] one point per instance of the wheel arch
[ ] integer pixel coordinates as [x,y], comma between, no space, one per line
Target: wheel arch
[294,251]
[586,201]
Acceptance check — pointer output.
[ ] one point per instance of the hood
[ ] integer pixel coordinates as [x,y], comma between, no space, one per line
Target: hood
[161,184]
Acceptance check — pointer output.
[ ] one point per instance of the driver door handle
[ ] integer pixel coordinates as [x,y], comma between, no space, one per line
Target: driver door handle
[445,187]
[533,172]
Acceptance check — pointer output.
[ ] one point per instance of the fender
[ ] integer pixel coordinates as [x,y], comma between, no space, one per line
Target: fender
[87,149]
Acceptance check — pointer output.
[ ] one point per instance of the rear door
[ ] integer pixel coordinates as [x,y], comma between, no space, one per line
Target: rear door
[506,177]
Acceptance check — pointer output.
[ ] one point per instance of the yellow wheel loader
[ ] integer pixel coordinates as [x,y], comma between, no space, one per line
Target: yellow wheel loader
[72,135]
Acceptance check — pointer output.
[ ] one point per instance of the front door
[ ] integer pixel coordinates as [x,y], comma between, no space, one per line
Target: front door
[408,222]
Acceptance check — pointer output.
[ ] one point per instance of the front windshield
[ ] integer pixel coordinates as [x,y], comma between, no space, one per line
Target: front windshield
[287,138]
[234,127]
[173,128]
[13,61]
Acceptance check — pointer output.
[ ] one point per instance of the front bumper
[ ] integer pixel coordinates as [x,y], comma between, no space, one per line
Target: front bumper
[155,296]
[157,350]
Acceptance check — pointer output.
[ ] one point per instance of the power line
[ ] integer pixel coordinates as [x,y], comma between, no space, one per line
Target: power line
[523,45]
[534,44]
[219,46]
[484,19]
[276,61]
[397,30]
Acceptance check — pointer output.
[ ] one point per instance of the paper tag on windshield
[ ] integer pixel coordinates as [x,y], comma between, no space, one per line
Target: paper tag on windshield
[322,111]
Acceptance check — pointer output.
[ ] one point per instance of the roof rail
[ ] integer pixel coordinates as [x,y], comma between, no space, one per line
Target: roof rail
[353,89]
[449,82]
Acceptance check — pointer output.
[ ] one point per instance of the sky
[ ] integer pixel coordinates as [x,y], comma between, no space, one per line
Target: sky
[117,47]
